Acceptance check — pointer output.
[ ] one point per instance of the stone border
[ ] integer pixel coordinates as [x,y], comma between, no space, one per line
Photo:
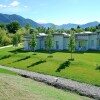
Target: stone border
[62,83]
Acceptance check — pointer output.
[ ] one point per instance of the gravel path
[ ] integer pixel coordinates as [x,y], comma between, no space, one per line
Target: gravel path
[66,84]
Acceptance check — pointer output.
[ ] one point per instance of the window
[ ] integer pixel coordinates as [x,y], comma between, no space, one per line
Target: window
[57,44]
[80,43]
[40,44]
[45,44]
[92,42]
[99,42]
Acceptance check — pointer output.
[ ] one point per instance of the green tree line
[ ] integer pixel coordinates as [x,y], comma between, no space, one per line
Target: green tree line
[12,33]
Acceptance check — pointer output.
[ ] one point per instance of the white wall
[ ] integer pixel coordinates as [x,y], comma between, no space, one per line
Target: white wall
[58,38]
[38,43]
[42,43]
[92,38]
[65,43]
[84,39]
[26,44]
[98,47]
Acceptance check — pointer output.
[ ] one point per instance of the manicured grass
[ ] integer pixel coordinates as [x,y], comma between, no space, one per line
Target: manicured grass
[82,69]
[7,71]
[18,88]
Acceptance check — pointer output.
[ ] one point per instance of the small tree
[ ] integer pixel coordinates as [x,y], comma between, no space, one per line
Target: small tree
[15,41]
[33,42]
[71,45]
[49,42]
[3,26]
[19,36]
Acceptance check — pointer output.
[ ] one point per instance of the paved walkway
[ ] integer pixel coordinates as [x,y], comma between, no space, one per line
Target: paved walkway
[6,46]
[66,84]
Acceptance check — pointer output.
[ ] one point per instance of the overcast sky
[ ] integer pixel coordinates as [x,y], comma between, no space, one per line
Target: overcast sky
[54,11]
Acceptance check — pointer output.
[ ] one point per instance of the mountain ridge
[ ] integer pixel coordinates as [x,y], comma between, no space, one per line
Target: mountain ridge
[72,25]
[6,18]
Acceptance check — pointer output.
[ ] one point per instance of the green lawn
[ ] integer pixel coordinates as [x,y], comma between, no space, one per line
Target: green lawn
[7,71]
[82,69]
[14,87]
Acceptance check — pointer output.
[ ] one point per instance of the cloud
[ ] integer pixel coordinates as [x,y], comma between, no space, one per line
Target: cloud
[25,6]
[14,4]
[3,6]
[41,21]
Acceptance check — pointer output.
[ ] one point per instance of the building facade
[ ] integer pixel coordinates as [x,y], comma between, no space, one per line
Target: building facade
[87,40]
[84,41]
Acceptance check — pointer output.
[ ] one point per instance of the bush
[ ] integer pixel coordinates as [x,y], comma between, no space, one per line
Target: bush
[4,38]
[97,67]
[5,41]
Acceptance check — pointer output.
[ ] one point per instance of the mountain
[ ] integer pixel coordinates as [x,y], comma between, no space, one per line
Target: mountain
[95,23]
[67,26]
[5,18]
[64,26]
[48,25]
[71,25]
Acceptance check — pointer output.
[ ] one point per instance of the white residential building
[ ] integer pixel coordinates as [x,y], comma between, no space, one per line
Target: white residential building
[84,41]
[87,40]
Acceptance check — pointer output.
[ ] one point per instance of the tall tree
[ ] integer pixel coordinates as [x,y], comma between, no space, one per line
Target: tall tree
[72,29]
[78,26]
[99,26]
[78,29]
[71,45]
[33,30]
[3,26]
[41,29]
[13,26]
